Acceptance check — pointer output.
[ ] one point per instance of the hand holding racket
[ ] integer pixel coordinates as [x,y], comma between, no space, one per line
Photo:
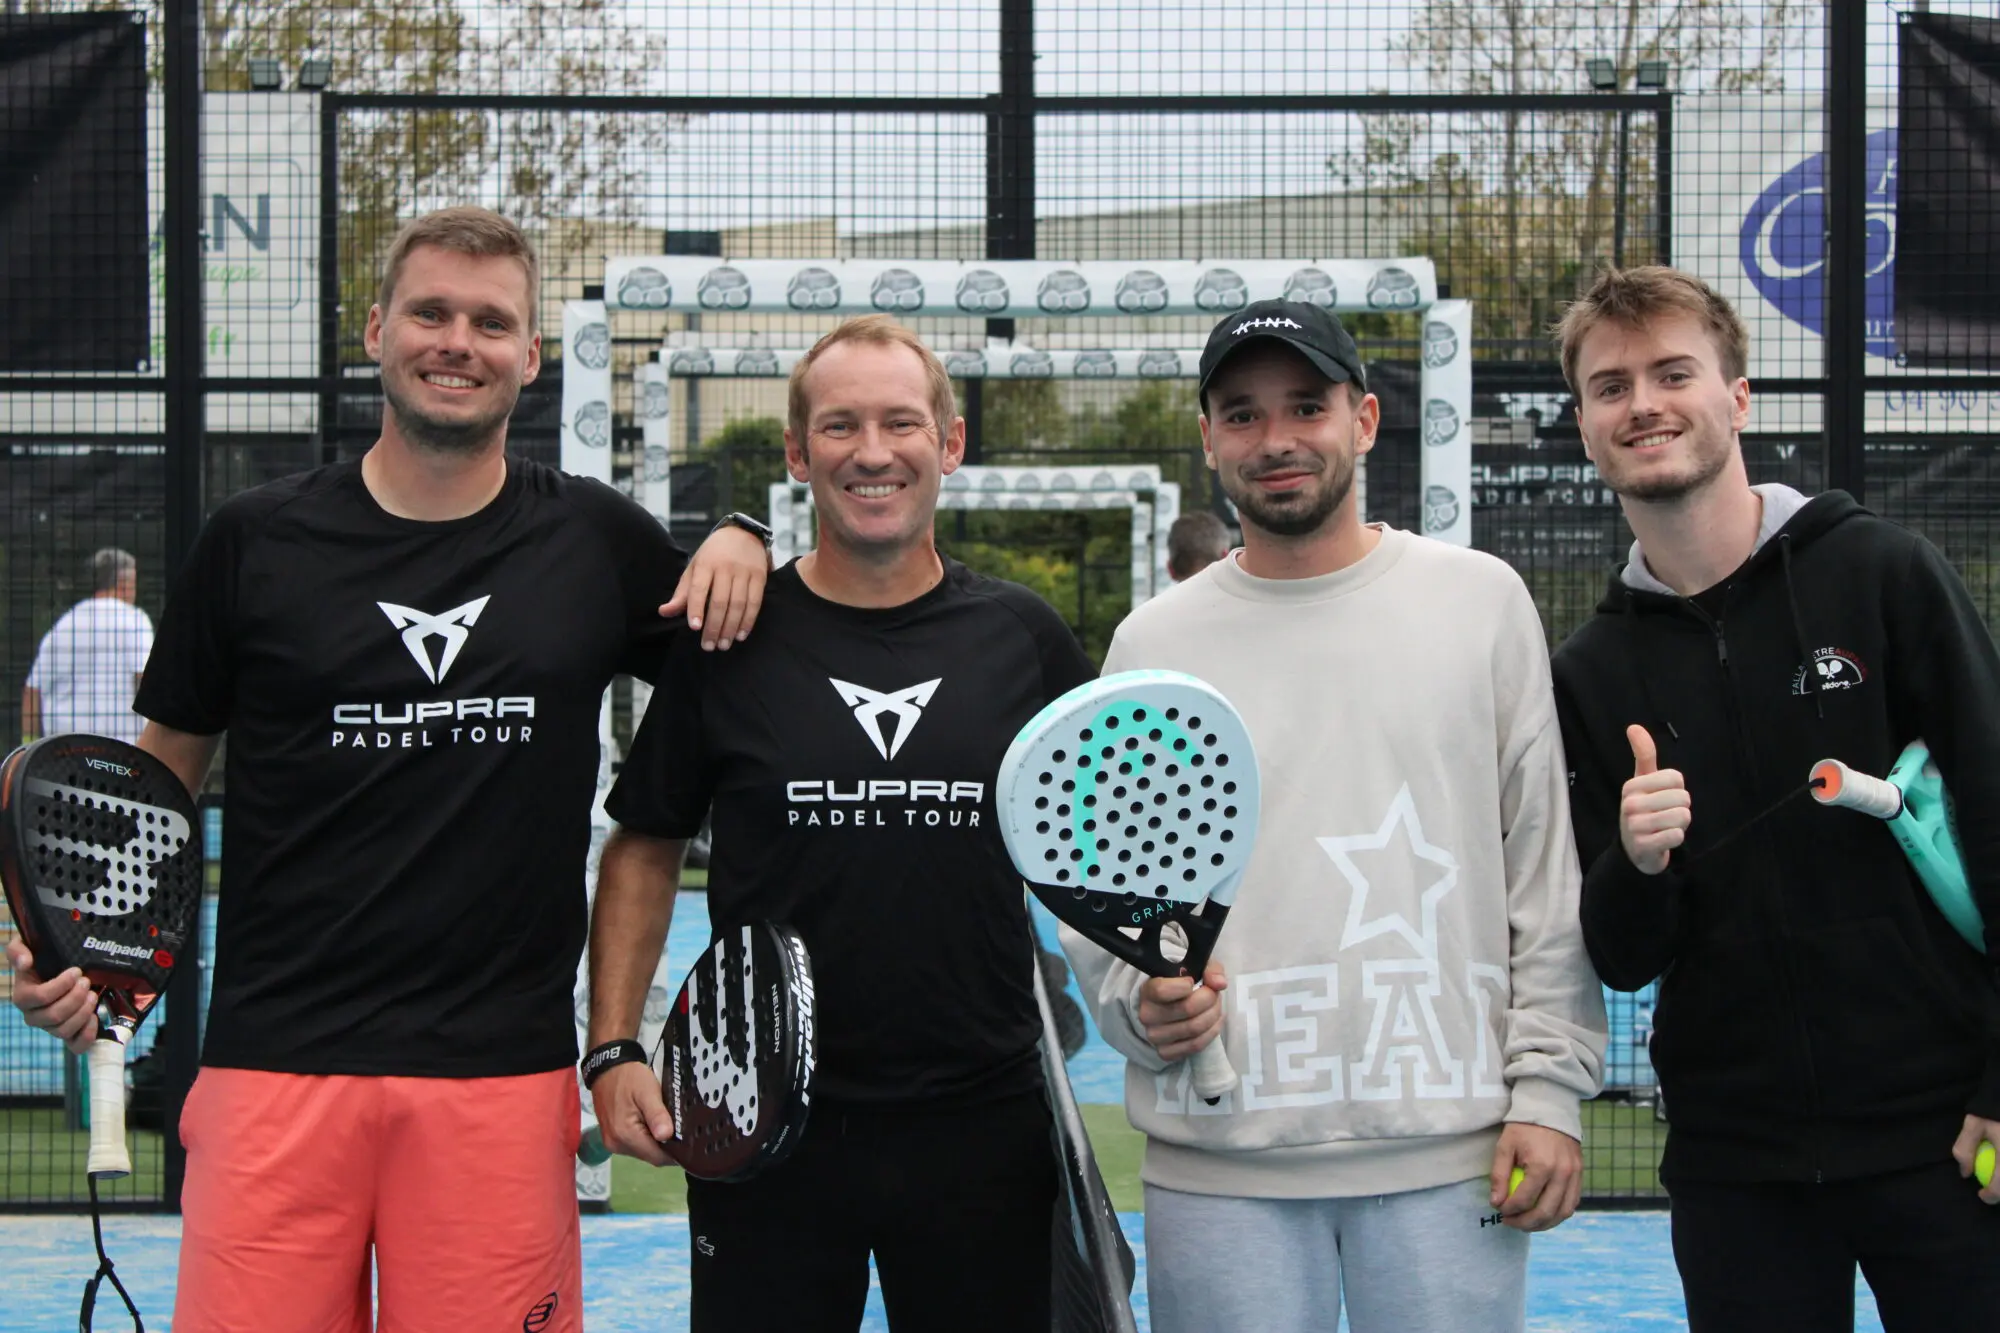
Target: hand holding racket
[1130,807]
[1913,802]
[102,874]
[735,1063]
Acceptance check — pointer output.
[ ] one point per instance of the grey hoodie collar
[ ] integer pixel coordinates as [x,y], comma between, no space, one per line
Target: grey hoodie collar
[1780,503]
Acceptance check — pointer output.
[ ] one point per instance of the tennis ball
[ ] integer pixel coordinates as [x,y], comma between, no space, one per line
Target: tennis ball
[1514,1180]
[1982,1165]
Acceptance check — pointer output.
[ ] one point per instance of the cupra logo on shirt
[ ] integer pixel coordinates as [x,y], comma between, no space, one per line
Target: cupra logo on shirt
[454,627]
[887,717]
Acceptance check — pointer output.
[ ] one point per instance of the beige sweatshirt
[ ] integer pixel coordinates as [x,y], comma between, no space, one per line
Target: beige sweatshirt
[1406,969]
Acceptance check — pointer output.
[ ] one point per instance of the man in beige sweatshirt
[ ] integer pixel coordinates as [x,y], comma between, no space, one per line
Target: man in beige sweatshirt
[1402,982]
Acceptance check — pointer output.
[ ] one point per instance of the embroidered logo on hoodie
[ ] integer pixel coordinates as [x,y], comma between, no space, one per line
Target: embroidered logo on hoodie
[1832,669]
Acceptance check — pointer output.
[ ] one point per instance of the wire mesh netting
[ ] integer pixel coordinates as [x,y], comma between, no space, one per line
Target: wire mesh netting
[1518,146]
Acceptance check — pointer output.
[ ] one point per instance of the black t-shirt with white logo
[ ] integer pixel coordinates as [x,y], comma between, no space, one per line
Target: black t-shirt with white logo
[412,712]
[850,757]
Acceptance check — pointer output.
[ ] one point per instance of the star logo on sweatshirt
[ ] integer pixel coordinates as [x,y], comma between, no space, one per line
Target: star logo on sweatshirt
[1426,861]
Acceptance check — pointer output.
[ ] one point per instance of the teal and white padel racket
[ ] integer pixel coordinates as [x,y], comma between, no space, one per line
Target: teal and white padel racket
[1913,801]
[1130,807]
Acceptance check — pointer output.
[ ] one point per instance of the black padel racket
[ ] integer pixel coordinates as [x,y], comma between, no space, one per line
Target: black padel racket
[736,1058]
[1130,807]
[102,873]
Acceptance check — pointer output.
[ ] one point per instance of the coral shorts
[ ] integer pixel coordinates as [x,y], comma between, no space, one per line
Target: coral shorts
[462,1191]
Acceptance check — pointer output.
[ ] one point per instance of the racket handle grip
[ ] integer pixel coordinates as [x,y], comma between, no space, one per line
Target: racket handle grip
[106,1061]
[1834,783]
[1211,1073]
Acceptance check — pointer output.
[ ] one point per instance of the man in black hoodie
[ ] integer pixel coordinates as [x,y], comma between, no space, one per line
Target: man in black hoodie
[1828,1047]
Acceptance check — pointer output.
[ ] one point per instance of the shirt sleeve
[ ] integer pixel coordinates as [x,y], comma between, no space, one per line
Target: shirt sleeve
[44,667]
[649,563]
[1555,1030]
[189,681]
[667,781]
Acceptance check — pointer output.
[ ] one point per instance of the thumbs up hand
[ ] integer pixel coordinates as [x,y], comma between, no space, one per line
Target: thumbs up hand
[1655,810]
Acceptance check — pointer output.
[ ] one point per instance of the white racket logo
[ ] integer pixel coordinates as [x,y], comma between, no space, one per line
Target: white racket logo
[128,868]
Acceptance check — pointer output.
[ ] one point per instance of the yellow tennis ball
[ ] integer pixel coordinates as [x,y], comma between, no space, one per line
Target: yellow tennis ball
[1514,1180]
[1982,1165]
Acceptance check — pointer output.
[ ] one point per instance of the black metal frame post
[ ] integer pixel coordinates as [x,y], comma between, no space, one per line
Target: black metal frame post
[1010,180]
[184,241]
[329,278]
[1846,403]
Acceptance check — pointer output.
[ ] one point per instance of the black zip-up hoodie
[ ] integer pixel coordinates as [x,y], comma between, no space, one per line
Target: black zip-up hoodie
[1818,1019]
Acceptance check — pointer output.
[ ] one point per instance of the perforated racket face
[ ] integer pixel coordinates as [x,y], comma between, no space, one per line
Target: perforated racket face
[1131,800]
[738,1052]
[100,862]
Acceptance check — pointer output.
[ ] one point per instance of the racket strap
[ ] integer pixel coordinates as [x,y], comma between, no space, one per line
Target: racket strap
[1748,824]
[105,1273]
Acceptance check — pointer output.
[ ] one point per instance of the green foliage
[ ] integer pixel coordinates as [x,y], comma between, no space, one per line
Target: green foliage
[1047,551]
[748,454]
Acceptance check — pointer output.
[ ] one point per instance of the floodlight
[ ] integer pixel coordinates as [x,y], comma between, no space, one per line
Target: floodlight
[1652,74]
[315,73]
[1602,73]
[266,75]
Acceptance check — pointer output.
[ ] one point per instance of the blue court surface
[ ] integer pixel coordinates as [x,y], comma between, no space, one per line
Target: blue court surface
[1597,1273]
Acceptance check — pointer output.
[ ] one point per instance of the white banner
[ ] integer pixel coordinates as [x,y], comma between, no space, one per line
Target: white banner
[586,390]
[1750,219]
[260,275]
[1000,360]
[652,472]
[1446,423]
[1010,288]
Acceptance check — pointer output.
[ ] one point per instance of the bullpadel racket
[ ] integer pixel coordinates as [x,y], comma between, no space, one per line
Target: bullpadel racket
[102,872]
[1130,807]
[736,1057]
[1914,803]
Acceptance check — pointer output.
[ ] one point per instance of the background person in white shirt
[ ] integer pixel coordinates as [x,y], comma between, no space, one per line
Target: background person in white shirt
[88,666]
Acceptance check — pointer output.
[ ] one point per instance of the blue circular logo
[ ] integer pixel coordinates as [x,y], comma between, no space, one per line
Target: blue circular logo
[1783,245]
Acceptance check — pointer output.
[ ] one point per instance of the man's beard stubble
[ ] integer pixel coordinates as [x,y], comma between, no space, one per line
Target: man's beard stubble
[1281,519]
[444,437]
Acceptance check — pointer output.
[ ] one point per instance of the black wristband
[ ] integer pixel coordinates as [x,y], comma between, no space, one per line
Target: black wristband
[623,1051]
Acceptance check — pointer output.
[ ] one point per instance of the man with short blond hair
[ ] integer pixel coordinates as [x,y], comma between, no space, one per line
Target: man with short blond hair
[848,754]
[408,653]
[1828,1048]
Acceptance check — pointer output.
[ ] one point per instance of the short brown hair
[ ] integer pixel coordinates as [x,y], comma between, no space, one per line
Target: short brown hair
[466,231]
[1631,297]
[1194,542]
[876,331]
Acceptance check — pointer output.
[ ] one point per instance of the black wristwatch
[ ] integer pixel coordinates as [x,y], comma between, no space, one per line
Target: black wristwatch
[761,531]
[623,1051]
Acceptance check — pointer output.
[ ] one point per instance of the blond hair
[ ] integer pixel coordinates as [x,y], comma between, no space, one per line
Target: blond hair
[1633,297]
[873,331]
[479,232]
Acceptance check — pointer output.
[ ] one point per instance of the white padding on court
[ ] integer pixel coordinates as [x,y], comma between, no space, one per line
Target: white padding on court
[1012,288]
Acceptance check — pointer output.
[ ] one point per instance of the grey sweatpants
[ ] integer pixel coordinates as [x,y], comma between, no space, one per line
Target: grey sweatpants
[1427,1261]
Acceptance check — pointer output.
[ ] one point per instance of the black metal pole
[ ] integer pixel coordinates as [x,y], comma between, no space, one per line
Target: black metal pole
[329,278]
[1618,200]
[181,76]
[1846,291]
[1010,179]
[1663,176]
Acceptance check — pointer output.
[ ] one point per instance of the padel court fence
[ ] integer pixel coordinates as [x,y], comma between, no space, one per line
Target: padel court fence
[177,325]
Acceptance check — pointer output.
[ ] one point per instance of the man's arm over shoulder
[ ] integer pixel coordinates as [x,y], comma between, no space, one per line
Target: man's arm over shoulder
[1555,1026]
[648,560]
[1632,922]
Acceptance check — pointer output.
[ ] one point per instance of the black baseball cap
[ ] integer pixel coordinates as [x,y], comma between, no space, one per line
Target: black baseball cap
[1313,330]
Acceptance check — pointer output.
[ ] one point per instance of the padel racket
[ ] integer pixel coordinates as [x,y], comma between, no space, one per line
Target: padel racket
[736,1057]
[102,873]
[1130,807]
[1917,808]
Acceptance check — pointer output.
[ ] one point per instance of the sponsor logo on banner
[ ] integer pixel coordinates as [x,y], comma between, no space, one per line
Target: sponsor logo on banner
[812,289]
[1440,344]
[1440,508]
[1440,422]
[593,425]
[592,345]
[645,288]
[1783,243]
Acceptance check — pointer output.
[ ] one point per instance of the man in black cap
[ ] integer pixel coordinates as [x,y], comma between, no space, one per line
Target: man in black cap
[1403,984]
